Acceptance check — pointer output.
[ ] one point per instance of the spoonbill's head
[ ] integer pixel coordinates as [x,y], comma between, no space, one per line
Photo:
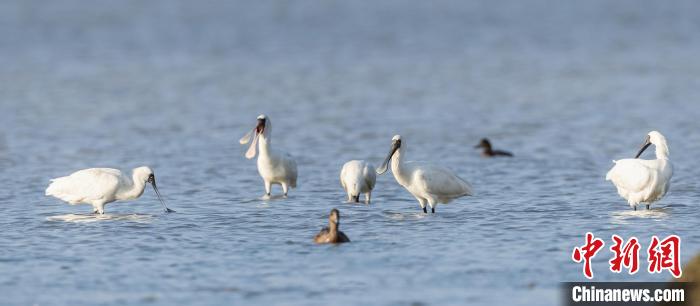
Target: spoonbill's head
[395,146]
[334,217]
[484,143]
[142,173]
[262,127]
[653,138]
[145,174]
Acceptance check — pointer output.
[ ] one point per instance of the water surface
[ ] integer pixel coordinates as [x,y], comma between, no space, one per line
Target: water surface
[174,85]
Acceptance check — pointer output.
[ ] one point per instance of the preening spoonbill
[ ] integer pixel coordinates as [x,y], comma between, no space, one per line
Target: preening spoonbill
[489,151]
[331,234]
[99,186]
[356,177]
[275,167]
[640,180]
[427,183]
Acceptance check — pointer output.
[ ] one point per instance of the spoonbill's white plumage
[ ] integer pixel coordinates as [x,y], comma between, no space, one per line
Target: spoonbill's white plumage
[427,183]
[99,186]
[356,177]
[275,167]
[643,181]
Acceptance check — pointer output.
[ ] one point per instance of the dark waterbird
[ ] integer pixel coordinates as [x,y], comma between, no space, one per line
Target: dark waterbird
[331,234]
[489,151]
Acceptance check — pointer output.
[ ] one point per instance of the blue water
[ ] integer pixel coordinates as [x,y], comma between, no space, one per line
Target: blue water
[567,87]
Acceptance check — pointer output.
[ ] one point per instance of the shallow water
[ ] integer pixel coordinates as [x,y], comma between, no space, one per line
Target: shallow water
[80,218]
[567,88]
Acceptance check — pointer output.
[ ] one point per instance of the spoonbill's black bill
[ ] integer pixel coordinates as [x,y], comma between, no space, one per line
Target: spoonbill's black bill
[152,180]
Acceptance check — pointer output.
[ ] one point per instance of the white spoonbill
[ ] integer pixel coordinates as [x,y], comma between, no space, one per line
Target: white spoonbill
[640,180]
[99,186]
[275,167]
[356,177]
[427,183]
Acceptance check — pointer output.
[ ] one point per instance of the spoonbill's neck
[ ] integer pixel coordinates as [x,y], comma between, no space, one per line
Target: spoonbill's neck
[397,166]
[133,189]
[661,150]
[264,144]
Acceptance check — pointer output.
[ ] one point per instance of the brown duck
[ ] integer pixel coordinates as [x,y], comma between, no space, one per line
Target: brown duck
[331,234]
[490,152]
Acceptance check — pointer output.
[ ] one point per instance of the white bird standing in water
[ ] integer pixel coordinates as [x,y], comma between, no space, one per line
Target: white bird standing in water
[640,180]
[99,186]
[275,167]
[356,177]
[427,183]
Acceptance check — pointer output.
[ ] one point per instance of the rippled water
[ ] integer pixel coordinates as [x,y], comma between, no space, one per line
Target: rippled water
[566,87]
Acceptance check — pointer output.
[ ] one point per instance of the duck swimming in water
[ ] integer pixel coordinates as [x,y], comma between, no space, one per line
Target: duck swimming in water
[490,152]
[331,234]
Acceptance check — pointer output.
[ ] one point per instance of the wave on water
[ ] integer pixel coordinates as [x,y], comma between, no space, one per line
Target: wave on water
[404,215]
[272,197]
[84,218]
[622,217]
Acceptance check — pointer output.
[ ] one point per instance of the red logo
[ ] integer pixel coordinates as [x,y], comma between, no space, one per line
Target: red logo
[589,250]
[663,254]
[627,255]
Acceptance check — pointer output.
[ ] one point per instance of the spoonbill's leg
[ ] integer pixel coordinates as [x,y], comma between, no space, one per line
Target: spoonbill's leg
[268,187]
[647,206]
[432,203]
[99,208]
[421,201]
[356,198]
[635,207]
[368,196]
[285,188]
